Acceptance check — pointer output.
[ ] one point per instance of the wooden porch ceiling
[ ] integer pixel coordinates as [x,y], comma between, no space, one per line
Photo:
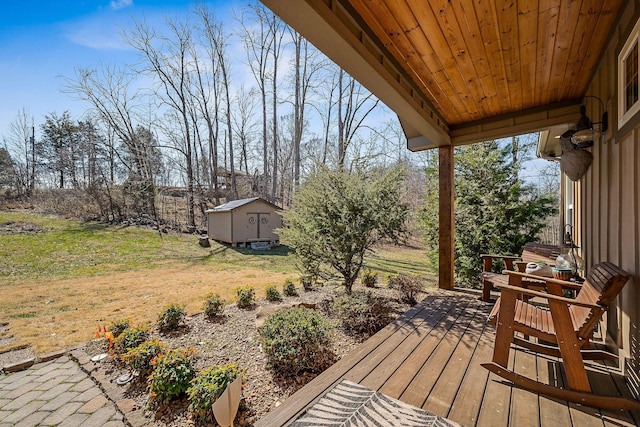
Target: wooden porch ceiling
[467,67]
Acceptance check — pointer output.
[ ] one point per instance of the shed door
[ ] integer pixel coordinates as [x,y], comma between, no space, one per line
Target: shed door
[257,221]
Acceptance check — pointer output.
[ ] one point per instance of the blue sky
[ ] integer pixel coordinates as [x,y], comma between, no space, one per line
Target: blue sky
[40,41]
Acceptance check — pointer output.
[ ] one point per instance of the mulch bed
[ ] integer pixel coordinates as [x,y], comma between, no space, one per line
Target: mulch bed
[233,338]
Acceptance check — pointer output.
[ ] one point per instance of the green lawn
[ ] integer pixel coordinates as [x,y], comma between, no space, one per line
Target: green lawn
[60,283]
[72,249]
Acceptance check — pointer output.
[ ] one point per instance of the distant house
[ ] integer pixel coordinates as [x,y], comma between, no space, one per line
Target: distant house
[242,222]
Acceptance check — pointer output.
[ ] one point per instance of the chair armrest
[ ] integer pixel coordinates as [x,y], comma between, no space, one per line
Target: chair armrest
[563,283]
[483,256]
[547,296]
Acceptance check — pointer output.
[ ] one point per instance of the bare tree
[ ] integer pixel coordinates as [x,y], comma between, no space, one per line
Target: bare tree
[167,59]
[243,123]
[217,43]
[109,91]
[306,66]
[207,97]
[276,33]
[354,105]
[20,144]
[258,43]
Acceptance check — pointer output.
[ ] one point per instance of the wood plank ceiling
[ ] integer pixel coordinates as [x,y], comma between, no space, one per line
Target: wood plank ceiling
[476,59]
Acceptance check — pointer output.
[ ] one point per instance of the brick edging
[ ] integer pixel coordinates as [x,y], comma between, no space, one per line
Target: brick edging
[132,415]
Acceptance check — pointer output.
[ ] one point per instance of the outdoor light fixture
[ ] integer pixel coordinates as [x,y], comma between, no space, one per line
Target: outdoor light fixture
[586,135]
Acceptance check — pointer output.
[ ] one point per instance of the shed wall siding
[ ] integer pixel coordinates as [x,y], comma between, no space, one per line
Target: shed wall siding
[607,214]
[244,231]
[219,226]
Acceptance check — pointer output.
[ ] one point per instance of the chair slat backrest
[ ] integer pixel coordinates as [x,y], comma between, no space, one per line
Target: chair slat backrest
[603,284]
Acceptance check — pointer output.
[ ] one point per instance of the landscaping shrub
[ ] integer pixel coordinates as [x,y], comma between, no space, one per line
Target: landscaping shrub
[369,278]
[389,279]
[272,293]
[130,339]
[362,313]
[289,288]
[139,358]
[408,286]
[207,387]
[118,326]
[213,306]
[297,339]
[245,297]
[172,374]
[307,282]
[171,317]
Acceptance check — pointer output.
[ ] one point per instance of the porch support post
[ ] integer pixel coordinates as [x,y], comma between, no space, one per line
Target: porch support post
[446,231]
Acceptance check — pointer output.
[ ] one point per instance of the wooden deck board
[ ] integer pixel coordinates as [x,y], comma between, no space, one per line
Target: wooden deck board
[524,409]
[381,373]
[398,383]
[466,406]
[442,396]
[496,402]
[553,412]
[430,358]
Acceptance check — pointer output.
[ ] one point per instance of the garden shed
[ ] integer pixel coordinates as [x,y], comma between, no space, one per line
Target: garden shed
[245,221]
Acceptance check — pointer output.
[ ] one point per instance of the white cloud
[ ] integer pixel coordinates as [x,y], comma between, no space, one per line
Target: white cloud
[120,4]
[96,35]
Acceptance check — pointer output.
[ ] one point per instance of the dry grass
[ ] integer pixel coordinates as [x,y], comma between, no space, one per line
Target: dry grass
[63,313]
[58,286]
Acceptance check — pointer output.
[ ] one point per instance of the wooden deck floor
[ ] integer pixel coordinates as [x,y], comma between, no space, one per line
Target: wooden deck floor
[430,358]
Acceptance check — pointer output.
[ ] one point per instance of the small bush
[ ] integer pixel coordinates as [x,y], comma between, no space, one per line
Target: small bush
[289,288]
[245,297]
[139,358]
[171,317]
[408,287]
[307,283]
[213,306]
[172,374]
[388,278]
[207,387]
[118,326]
[272,293]
[297,339]
[369,278]
[362,313]
[130,339]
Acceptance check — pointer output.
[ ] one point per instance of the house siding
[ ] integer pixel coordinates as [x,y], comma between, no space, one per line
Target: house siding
[607,215]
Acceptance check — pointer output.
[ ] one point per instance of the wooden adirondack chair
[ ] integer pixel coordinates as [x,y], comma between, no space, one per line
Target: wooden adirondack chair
[567,322]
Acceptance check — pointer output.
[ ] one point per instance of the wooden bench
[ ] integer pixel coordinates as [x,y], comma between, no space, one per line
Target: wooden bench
[532,252]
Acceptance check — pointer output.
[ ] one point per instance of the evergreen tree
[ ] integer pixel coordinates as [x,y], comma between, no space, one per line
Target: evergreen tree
[7,170]
[338,216]
[495,210]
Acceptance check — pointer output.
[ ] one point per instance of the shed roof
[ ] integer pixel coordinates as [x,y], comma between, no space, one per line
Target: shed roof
[234,204]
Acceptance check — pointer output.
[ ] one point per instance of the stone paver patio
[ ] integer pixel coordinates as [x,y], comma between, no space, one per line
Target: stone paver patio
[57,392]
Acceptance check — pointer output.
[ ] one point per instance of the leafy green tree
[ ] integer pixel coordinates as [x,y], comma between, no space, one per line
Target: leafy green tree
[338,216]
[60,147]
[495,210]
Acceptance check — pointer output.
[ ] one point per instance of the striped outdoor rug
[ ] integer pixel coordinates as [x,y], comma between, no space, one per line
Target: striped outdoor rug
[349,404]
